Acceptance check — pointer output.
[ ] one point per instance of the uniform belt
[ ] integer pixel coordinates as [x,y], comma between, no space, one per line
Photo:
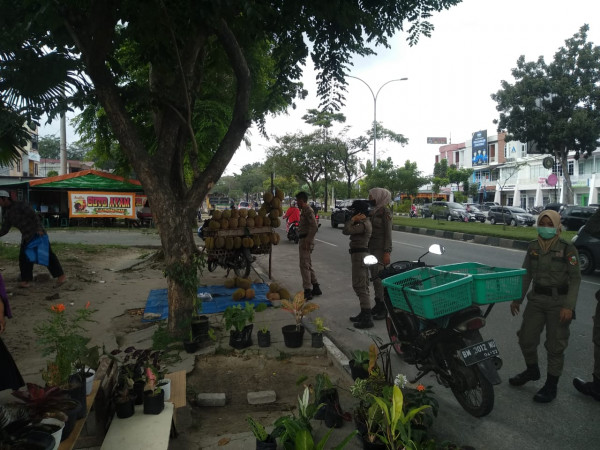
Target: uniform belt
[562,290]
[302,236]
[358,250]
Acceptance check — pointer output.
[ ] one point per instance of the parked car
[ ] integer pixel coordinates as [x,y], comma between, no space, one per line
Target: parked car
[425,209]
[485,206]
[449,211]
[243,205]
[341,214]
[573,217]
[555,206]
[587,242]
[510,215]
[475,214]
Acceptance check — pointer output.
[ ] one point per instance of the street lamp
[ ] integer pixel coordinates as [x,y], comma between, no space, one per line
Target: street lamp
[375,111]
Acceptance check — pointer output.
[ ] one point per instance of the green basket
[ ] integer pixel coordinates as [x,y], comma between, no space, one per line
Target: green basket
[431,293]
[490,284]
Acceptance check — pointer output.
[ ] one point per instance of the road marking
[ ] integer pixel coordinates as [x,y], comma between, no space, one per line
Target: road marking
[408,245]
[590,282]
[328,243]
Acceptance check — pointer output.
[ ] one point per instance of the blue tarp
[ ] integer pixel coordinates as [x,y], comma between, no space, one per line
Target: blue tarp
[158,303]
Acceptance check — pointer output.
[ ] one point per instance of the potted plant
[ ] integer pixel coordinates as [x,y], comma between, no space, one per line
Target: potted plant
[317,335]
[199,325]
[240,320]
[154,396]
[299,307]
[123,395]
[359,364]
[327,397]
[264,441]
[134,362]
[264,337]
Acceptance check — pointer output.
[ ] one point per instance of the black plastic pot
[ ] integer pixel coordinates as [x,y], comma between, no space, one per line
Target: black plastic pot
[200,328]
[317,340]
[125,409]
[264,338]
[77,392]
[292,335]
[138,390]
[241,339]
[269,444]
[357,370]
[190,346]
[72,413]
[154,403]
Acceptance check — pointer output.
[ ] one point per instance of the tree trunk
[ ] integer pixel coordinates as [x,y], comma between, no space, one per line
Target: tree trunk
[569,196]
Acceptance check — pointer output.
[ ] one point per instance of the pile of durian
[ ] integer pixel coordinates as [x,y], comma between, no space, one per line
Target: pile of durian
[277,292]
[267,216]
[244,288]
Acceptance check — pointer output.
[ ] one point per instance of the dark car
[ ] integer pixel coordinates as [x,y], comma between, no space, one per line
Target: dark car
[510,215]
[555,206]
[485,206]
[574,217]
[341,214]
[449,211]
[588,247]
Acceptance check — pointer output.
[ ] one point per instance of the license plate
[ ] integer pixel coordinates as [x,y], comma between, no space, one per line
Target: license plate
[478,352]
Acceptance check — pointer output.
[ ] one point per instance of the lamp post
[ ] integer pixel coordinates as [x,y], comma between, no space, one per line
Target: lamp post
[375,95]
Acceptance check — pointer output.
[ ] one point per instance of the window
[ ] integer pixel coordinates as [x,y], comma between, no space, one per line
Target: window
[523,150]
[557,169]
[19,166]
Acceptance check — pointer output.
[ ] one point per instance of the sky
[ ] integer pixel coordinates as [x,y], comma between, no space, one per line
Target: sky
[451,76]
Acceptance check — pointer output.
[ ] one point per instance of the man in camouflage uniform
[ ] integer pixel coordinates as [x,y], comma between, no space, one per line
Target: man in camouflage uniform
[553,266]
[359,230]
[307,228]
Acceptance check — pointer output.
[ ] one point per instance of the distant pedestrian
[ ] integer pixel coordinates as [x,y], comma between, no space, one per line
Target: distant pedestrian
[359,229]
[307,228]
[380,244]
[22,216]
[553,266]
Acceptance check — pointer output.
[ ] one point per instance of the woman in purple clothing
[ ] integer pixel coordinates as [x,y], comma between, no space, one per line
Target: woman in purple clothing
[10,377]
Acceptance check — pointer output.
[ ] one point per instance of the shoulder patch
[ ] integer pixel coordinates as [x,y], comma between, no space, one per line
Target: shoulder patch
[573,260]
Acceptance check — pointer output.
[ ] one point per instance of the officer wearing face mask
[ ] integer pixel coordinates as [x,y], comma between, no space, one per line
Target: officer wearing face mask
[552,265]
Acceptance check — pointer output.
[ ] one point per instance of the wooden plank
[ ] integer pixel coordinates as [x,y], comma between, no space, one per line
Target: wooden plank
[140,431]
[178,388]
[69,443]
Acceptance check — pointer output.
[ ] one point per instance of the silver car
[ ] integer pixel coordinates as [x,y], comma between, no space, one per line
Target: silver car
[510,215]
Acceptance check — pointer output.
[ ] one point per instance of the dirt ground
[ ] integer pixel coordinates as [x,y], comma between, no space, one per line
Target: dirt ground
[118,292]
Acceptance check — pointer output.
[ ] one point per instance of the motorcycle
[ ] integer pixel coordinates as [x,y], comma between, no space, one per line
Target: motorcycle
[240,260]
[451,346]
[412,214]
[293,234]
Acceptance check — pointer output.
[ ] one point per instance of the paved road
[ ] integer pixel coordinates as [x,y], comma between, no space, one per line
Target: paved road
[570,422]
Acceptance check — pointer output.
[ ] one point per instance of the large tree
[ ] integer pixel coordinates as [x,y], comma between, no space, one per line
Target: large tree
[556,105]
[177,83]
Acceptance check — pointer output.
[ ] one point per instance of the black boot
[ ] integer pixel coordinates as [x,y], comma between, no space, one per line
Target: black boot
[378,310]
[591,388]
[316,290]
[308,294]
[358,317]
[532,373]
[548,392]
[366,320]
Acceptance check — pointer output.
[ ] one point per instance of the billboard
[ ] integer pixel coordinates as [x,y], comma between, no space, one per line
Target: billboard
[479,146]
[102,204]
[437,140]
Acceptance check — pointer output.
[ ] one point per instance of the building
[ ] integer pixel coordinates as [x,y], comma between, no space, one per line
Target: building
[27,167]
[510,173]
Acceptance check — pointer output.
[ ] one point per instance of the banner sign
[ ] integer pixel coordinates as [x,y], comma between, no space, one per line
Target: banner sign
[479,146]
[120,205]
[437,140]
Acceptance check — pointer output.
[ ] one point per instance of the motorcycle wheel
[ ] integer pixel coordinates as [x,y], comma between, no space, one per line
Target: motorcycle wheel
[472,390]
[212,265]
[397,346]
[241,265]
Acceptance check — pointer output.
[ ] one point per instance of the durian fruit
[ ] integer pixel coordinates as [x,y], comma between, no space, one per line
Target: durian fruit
[267,197]
[250,293]
[226,214]
[228,243]
[209,243]
[250,222]
[266,221]
[229,283]
[219,242]
[280,211]
[251,213]
[224,224]
[233,223]
[258,221]
[217,214]
[279,194]
[238,294]
[243,283]
[275,238]
[235,213]
[276,222]
[214,224]
[237,242]
[262,211]
[284,293]
[247,242]
[274,214]
[274,287]
[275,203]
[265,238]
[243,213]
[242,222]
[273,296]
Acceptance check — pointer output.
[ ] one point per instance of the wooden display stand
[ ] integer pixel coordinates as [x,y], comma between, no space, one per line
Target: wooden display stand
[69,443]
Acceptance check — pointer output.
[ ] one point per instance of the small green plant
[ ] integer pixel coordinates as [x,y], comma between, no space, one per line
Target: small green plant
[237,317]
[258,430]
[299,307]
[319,325]
[264,329]
[360,357]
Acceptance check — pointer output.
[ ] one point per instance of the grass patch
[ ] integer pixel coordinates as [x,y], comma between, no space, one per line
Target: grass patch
[477,228]
[10,252]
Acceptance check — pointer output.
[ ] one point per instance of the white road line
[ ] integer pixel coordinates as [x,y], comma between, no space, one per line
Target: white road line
[408,245]
[328,243]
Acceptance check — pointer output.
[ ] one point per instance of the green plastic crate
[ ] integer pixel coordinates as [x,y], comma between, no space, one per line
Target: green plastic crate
[431,293]
[490,284]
